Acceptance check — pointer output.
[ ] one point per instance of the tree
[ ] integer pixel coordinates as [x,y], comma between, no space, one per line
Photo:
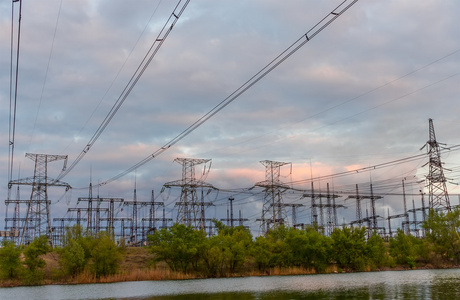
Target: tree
[76,250]
[39,246]
[376,251]
[349,247]
[261,252]
[34,263]
[72,258]
[10,261]
[405,248]
[442,231]
[178,246]
[212,256]
[307,248]
[235,243]
[105,255]
[276,244]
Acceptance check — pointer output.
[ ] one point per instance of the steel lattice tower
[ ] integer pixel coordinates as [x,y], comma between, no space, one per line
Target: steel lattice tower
[273,210]
[190,208]
[38,221]
[437,188]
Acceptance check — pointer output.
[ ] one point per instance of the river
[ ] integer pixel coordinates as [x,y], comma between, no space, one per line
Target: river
[416,284]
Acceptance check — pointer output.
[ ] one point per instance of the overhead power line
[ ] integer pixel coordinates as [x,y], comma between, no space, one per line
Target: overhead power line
[46,72]
[371,168]
[156,45]
[13,102]
[299,43]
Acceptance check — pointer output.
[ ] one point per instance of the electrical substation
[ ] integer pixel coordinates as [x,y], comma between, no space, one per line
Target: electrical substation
[132,220]
[323,202]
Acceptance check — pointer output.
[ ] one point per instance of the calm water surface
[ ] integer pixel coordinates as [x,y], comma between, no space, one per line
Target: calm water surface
[418,284]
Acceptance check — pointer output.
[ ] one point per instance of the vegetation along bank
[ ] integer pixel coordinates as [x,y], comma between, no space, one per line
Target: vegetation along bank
[181,252]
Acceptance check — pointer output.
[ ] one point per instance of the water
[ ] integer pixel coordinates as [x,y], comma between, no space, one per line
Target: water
[417,284]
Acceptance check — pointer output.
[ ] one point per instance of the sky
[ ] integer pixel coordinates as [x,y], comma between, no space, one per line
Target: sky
[357,95]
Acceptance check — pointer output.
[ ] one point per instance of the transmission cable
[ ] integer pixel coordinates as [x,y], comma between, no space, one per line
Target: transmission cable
[368,92]
[328,19]
[374,167]
[46,73]
[13,103]
[156,45]
[118,73]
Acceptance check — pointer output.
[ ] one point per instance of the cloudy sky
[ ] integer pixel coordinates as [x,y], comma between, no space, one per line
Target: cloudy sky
[357,95]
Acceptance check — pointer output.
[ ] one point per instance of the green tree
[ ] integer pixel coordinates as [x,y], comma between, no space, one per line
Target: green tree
[38,247]
[307,248]
[235,243]
[349,247]
[376,251]
[405,248]
[276,238]
[105,255]
[212,256]
[261,252]
[33,260]
[442,231]
[72,258]
[10,260]
[179,246]
[76,250]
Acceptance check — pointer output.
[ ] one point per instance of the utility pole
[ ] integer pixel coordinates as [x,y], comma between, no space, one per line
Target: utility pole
[59,234]
[331,209]
[438,197]
[38,220]
[111,212]
[273,213]
[406,213]
[371,220]
[314,211]
[190,208]
[230,219]
[359,218]
[293,207]
[14,229]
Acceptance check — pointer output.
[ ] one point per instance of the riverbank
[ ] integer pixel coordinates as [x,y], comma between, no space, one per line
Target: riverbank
[136,265]
[413,284]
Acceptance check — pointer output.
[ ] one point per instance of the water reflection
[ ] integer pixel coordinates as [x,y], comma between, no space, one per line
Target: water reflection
[419,284]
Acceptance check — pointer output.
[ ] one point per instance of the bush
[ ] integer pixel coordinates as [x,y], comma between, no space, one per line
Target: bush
[10,261]
[34,263]
[377,251]
[72,258]
[179,246]
[349,248]
[405,249]
[105,256]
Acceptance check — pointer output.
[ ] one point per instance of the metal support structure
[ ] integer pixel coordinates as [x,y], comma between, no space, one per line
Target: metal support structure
[190,208]
[111,211]
[273,212]
[314,211]
[38,208]
[372,219]
[331,209]
[293,207]
[230,219]
[437,188]
[406,228]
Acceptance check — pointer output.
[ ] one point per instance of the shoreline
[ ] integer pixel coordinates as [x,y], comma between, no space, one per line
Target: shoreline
[164,275]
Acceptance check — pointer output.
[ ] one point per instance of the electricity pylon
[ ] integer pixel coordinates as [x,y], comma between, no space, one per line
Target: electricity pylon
[38,221]
[191,209]
[273,210]
[437,188]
